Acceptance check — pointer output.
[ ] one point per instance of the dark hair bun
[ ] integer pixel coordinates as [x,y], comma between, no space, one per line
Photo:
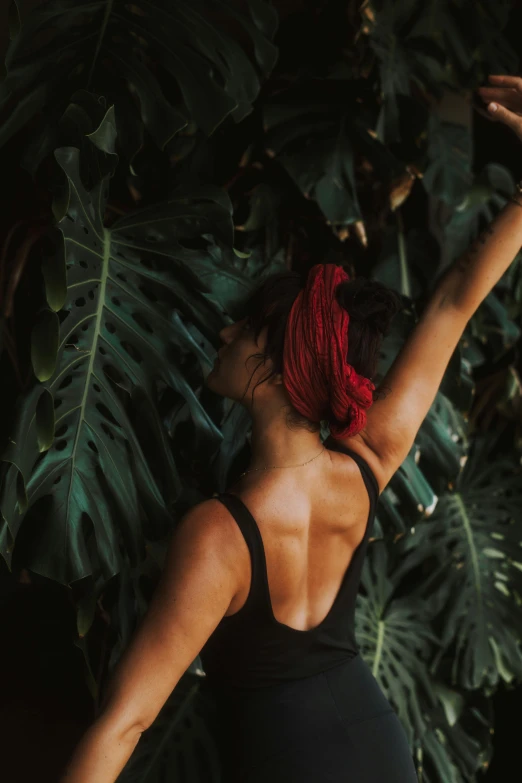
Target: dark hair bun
[369,301]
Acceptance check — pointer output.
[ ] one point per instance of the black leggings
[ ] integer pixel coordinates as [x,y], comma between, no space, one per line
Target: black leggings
[332,727]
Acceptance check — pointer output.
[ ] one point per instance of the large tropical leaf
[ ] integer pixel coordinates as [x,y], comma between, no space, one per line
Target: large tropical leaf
[395,638]
[124,51]
[407,262]
[458,746]
[407,55]
[471,50]
[315,130]
[448,175]
[475,583]
[129,288]
[230,277]
[236,424]
[483,48]
[480,204]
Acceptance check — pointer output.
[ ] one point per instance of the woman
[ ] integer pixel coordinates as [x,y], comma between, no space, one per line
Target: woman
[262,580]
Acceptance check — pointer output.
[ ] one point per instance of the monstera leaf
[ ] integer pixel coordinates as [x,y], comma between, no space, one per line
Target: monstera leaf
[314,129]
[395,639]
[407,54]
[448,175]
[446,732]
[408,262]
[493,328]
[124,50]
[484,199]
[491,50]
[443,438]
[129,289]
[458,746]
[476,581]
[230,277]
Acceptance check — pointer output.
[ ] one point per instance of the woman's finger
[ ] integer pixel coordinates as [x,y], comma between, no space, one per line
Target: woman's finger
[501,114]
[507,81]
[507,97]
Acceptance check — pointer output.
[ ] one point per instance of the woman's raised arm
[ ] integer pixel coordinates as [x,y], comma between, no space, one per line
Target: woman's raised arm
[416,374]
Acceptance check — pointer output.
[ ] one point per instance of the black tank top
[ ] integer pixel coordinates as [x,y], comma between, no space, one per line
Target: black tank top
[251,649]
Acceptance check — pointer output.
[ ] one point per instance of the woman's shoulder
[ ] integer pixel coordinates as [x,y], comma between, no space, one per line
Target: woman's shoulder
[357,445]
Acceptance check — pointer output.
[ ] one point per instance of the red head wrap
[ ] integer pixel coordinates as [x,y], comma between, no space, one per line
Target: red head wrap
[316,374]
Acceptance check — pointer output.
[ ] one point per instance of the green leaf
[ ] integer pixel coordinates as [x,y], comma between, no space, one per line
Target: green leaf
[65,45]
[492,49]
[85,612]
[442,439]
[493,326]
[45,422]
[314,129]
[407,263]
[322,163]
[395,639]
[476,580]
[265,202]
[236,425]
[458,745]
[55,280]
[44,344]
[127,288]
[230,277]
[485,198]
[407,54]
[14,19]
[448,175]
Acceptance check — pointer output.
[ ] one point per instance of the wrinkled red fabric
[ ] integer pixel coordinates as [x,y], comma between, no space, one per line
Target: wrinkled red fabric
[316,375]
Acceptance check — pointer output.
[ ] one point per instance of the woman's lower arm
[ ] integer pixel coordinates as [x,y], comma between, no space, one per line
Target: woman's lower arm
[101,754]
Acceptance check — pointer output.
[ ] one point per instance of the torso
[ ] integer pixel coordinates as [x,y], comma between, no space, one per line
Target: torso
[311,521]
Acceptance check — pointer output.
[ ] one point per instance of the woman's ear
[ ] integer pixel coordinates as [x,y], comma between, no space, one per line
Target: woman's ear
[277,379]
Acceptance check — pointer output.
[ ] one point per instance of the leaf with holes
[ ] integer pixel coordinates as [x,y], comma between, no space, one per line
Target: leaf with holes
[129,289]
[475,539]
[66,45]
[459,744]
[394,637]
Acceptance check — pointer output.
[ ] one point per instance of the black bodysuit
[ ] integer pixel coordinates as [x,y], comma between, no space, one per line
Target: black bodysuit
[292,706]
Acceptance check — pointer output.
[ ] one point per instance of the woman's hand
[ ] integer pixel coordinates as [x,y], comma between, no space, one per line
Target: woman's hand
[505,93]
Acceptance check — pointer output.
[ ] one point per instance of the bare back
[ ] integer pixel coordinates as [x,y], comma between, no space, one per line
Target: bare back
[311,521]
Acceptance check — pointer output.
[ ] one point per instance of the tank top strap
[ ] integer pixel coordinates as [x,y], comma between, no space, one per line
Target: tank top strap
[367,473]
[248,526]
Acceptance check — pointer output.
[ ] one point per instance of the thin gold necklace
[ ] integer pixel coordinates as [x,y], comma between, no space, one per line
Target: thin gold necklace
[283,466]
